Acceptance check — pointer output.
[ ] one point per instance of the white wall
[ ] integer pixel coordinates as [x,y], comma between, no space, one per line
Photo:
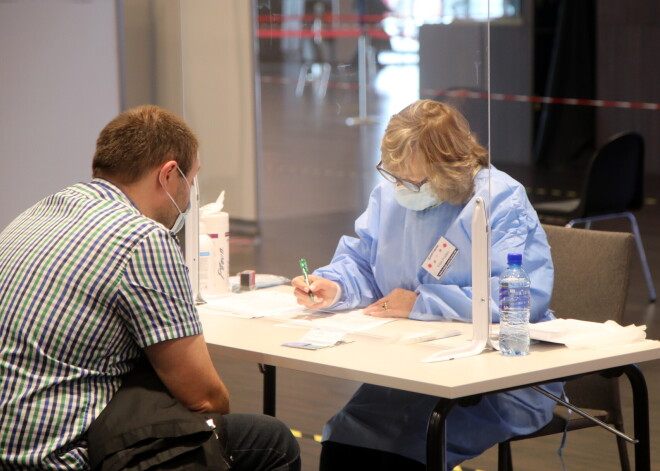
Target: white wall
[219,99]
[59,85]
[196,58]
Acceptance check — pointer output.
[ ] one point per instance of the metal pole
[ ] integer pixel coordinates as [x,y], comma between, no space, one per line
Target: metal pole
[269,373]
[585,415]
[362,117]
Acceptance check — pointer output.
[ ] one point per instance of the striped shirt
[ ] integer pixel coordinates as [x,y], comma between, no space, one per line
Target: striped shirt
[86,281]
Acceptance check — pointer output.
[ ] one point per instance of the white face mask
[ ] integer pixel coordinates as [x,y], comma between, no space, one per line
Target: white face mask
[425,198]
[181,218]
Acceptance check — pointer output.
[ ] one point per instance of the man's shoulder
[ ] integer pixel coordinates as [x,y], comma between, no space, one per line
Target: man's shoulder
[102,211]
[103,197]
[99,192]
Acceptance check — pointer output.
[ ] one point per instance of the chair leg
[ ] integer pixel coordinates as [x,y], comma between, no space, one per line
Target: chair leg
[302,79]
[323,80]
[504,460]
[642,255]
[638,240]
[623,453]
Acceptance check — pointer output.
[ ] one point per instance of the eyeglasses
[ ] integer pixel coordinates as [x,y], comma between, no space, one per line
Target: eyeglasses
[412,186]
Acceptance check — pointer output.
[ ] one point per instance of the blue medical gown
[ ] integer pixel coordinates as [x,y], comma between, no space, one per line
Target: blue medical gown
[392,243]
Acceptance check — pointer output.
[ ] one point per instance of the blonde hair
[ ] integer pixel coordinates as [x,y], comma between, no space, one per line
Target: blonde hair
[437,137]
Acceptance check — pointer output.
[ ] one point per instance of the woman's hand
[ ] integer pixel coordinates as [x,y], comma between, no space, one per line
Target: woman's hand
[398,303]
[324,291]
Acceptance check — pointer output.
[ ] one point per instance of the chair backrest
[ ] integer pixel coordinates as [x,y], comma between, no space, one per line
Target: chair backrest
[614,179]
[592,271]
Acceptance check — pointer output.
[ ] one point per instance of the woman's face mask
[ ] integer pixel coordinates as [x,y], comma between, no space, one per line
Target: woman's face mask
[425,198]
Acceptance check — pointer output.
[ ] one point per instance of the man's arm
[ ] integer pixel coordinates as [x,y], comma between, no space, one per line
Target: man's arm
[185,367]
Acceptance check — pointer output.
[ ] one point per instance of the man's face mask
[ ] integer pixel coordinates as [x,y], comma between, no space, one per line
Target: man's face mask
[181,218]
[425,198]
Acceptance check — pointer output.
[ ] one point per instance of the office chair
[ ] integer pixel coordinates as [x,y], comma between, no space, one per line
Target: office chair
[613,187]
[592,270]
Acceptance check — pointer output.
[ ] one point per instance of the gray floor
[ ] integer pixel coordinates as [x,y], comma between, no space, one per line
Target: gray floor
[316,176]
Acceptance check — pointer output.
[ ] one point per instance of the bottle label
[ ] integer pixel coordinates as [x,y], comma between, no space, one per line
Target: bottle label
[504,298]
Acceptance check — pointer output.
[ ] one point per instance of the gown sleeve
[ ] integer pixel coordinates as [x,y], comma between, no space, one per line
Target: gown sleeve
[351,265]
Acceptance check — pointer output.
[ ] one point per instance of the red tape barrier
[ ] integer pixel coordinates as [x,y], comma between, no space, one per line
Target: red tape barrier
[326,18]
[369,25]
[325,34]
[493,96]
[543,99]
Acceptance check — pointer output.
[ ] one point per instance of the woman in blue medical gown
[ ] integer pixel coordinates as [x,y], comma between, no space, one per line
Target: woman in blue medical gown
[433,170]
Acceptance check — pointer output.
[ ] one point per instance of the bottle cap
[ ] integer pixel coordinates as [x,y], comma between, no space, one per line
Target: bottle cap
[514,259]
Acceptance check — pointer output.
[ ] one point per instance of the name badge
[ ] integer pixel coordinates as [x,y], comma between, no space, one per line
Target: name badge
[440,258]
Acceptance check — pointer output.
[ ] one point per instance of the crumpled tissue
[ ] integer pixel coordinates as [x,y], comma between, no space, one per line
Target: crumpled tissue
[577,334]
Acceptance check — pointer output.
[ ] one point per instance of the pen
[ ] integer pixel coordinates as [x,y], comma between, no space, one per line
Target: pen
[305,272]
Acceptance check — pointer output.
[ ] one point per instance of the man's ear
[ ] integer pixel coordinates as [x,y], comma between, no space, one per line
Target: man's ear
[167,171]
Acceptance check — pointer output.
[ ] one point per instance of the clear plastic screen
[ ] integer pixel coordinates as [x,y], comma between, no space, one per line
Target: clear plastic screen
[339,70]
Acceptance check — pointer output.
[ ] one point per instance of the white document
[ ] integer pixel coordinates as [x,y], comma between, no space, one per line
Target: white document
[258,303]
[426,336]
[322,337]
[344,321]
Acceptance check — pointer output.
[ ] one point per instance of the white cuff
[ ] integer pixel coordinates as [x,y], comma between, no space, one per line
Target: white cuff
[337,295]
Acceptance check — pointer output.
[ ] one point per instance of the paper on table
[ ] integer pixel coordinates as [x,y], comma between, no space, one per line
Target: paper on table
[316,339]
[576,333]
[426,336]
[322,337]
[259,303]
[345,321]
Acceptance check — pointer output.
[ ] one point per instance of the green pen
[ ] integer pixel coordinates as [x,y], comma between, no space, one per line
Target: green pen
[305,272]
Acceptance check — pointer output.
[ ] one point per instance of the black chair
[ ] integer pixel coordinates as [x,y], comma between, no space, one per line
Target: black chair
[613,187]
[592,270]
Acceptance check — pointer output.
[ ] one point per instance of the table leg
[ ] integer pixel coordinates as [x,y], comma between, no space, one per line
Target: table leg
[640,416]
[270,387]
[436,439]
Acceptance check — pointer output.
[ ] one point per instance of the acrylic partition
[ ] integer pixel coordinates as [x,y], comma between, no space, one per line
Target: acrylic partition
[338,70]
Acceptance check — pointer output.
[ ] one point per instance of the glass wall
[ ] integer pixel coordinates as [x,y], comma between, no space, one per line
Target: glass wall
[543,84]
[533,67]
[330,74]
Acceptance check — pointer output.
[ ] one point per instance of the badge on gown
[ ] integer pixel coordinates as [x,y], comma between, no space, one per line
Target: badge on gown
[440,257]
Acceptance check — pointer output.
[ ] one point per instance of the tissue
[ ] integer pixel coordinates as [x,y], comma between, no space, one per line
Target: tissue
[575,333]
[608,334]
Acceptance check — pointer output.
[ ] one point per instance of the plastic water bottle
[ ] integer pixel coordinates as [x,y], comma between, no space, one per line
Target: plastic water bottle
[514,308]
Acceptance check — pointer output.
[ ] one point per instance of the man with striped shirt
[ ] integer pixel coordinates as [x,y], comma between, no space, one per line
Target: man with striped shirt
[92,279]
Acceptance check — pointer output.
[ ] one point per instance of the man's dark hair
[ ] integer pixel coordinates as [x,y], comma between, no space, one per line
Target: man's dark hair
[140,139]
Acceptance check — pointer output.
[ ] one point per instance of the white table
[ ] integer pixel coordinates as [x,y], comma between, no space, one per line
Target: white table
[372,360]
